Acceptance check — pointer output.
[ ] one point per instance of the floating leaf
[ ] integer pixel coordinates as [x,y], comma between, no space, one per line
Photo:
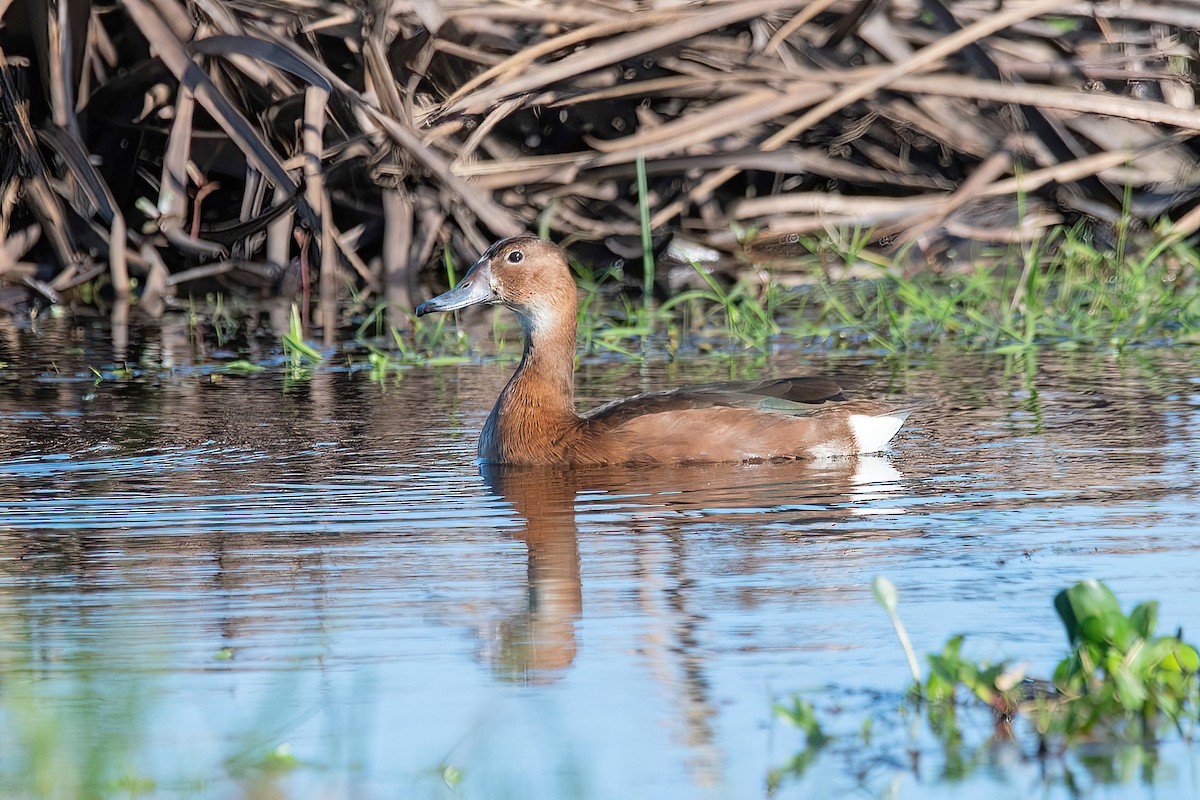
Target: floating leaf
[241,365]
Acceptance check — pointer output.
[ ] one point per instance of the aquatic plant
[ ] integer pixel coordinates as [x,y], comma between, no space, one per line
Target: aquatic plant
[299,352]
[887,596]
[1059,292]
[646,231]
[1118,684]
[85,748]
[799,713]
[1120,678]
[749,315]
[420,341]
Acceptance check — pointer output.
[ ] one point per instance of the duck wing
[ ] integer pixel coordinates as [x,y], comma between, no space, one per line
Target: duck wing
[791,396]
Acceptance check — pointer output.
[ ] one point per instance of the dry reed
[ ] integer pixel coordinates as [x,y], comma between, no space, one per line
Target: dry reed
[278,145]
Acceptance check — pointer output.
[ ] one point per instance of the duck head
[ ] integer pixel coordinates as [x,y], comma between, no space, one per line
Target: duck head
[525,273]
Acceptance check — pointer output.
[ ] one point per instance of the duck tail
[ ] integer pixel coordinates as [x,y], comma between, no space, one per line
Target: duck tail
[872,432]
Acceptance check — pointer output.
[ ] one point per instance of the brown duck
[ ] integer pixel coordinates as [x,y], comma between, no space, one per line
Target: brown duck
[535,422]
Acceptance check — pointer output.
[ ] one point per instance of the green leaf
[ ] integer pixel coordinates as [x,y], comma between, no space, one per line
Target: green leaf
[1086,600]
[1065,671]
[303,348]
[1144,618]
[1107,630]
[1187,657]
[1131,691]
[944,669]
[1063,25]
[938,689]
[1062,605]
[445,361]
[241,365]
[803,716]
[1182,659]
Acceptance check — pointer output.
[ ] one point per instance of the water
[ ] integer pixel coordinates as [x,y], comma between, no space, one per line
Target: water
[223,585]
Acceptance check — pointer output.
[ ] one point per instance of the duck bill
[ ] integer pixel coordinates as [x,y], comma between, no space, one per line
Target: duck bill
[475,288]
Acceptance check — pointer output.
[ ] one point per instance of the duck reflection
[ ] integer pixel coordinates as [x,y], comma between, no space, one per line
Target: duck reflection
[540,639]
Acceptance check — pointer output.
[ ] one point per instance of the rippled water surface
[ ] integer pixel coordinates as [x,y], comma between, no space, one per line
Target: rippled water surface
[221,584]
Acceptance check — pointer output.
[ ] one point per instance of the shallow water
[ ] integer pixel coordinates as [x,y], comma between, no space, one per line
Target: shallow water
[257,585]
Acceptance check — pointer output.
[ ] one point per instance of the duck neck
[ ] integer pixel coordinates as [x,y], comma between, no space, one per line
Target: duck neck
[544,383]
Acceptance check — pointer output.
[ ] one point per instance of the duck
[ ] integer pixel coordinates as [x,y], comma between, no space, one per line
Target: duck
[535,422]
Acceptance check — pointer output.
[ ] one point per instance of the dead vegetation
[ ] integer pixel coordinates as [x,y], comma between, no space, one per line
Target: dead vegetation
[152,146]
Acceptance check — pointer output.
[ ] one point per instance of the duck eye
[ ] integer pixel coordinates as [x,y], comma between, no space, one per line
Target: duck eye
[515,257]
